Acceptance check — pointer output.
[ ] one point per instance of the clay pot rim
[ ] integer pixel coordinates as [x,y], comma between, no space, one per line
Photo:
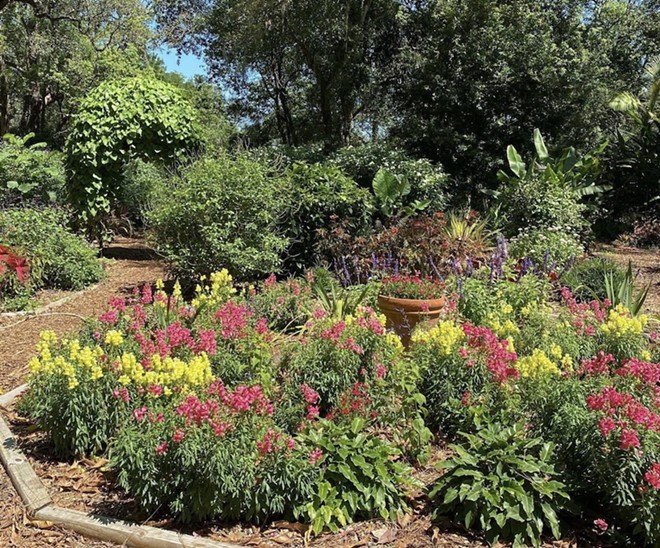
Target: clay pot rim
[412,304]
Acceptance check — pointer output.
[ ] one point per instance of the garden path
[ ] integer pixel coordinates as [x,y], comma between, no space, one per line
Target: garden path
[132,265]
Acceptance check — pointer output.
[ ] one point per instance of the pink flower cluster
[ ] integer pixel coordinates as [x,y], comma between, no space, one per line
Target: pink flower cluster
[315,456]
[198,412]
[335,333]
[499,360]
[274,441]
[598,365]
[312,398]
[173,337]
[622,411]
[646,372]
[233,319]
[585,314]
[652,476]
[355,402]
[242,398]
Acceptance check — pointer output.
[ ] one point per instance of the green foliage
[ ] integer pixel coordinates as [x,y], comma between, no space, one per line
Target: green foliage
[546,194]
[480,297]
[633,166]
[319,192]
[361,476]
[29,174]
[586,278]
[122,120]
[546,247]
[142,182]
[206,474]
[621,290]
[285,305]
[427,181]
[503,483]
[338,302]
[477,72]
[59,258]
[221,213]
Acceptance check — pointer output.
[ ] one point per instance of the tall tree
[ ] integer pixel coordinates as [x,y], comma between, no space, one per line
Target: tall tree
[328,51]
[51,53]
[478,75]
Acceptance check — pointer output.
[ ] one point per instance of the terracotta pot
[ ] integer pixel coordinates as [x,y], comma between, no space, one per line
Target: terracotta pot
[404,314]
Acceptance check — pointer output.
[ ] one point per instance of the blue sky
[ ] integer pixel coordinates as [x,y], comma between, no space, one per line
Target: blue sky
[188,65]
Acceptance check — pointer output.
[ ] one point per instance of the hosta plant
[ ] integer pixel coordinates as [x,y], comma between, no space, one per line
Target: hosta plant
[361,476]
[502,483]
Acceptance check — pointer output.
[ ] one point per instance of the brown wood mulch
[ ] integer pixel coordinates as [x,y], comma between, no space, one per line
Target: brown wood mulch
[132,264]
[88,486]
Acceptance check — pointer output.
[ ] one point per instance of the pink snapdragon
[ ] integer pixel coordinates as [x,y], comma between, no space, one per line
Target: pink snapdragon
[233,319]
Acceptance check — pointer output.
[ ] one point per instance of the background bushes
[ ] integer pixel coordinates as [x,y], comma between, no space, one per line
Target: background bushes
[58,258]
[221,213]
[319,194]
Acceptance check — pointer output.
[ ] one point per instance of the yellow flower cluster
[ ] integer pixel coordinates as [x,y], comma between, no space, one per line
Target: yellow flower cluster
[394,341]
[166,372]
[537,365]
[502,329]
[219,291]
[72,361]
[621,324]
[114,338]
[445,337]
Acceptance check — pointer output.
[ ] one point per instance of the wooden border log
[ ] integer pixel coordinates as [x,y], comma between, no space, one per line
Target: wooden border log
[25,480]
[123,532]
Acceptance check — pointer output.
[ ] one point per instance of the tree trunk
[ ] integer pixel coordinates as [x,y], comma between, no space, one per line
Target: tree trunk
[4,99]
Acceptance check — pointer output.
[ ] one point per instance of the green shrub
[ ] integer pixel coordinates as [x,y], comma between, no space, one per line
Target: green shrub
[360,476]
[29,174]
[586,279]
[286,305]
[142,181]
[59,258]
[79,422]
[206,459]
[118,121]
[503,483]
[321,193]
[427,181]
[221,213]
[545,247]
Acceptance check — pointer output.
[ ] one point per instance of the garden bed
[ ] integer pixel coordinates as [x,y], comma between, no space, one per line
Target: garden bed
[87,486]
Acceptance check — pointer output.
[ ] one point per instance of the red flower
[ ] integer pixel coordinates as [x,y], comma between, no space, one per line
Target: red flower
[601,524]
[653,475]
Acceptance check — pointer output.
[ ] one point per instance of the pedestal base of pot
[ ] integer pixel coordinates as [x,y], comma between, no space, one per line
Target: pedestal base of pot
[403,315]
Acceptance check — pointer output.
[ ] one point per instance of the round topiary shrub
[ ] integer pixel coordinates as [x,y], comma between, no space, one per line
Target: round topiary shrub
[121,120]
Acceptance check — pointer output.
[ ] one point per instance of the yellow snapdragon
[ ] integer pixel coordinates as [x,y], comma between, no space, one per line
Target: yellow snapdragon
[166,371]
[537,365]
[73,361]
[219,291]
[114,338]
[621,324]
[445,337]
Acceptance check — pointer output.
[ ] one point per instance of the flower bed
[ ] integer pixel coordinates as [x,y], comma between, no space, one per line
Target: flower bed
[207,412]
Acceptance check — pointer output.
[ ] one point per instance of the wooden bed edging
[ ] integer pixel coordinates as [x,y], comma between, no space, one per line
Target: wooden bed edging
[123,532]
[39,504]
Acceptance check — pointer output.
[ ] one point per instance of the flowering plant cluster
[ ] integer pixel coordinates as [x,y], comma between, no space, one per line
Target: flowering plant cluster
[412,287]
[219,408]
[580,375]
[206,411]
